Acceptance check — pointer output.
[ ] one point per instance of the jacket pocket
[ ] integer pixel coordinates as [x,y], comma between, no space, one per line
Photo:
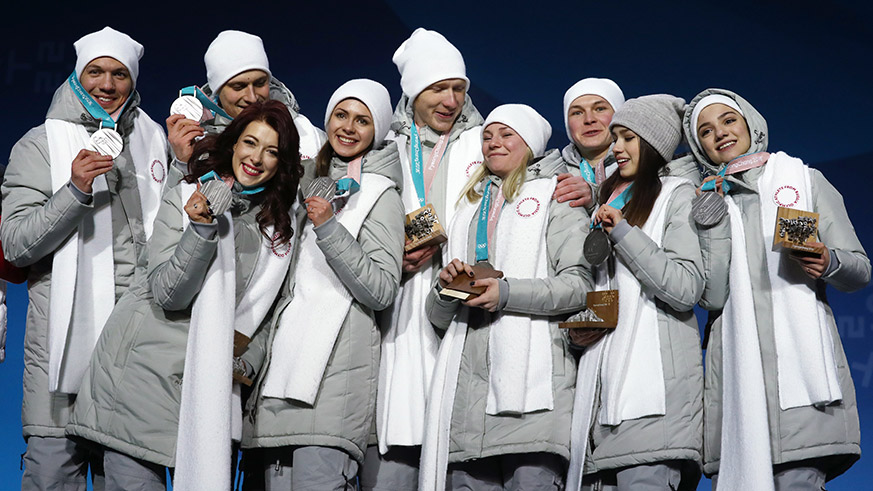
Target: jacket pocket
[128,339]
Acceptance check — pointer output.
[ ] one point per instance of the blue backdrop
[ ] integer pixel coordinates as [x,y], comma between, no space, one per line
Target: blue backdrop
[801,66]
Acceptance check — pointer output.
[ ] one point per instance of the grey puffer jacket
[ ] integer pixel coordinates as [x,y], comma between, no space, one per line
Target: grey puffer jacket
[673,272]
[131,394]
[830,437]
[369,266]
[311,138]
[475,434]
[36,222]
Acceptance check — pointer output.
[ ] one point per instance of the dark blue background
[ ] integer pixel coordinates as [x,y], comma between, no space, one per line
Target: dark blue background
[804,66]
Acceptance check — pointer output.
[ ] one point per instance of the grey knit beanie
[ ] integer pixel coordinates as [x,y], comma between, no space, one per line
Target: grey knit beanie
[654,118]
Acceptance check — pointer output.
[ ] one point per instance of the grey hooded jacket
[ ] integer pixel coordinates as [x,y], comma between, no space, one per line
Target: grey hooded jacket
[131,394]
[475,434]
[36,222]
[369,266]
[673,273]
[830,436]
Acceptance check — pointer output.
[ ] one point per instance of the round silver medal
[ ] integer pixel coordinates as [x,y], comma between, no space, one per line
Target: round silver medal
[187,106]
[708,208]
[107,141]
[323,187]
[219,196]
[597,247]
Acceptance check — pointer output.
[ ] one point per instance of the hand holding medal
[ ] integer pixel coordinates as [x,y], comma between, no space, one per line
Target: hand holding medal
[708,207]
[86,166]
[597,246]
[317,198]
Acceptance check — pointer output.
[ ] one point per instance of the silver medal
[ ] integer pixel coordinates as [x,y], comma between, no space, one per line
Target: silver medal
[708,208]
[107,141]
[187,106]
[218,195]
[597,247]
[323,187]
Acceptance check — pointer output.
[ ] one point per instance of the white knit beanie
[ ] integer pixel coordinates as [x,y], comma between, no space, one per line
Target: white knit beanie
[108,42]
[603,87]
[530,126]
[425,58]
[374,95]
[708,101]
[231,53]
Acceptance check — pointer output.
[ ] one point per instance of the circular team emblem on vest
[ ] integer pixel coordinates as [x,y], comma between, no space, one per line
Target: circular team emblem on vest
[158,172]
[278,249]
[786,196]
[472,166]
[305,157]
[528,207]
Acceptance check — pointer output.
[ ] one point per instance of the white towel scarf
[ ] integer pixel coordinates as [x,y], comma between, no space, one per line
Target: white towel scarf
[410,344]
[210,413]
[806,368]
[519,346]
[309,325]
[83,270]
[627,362]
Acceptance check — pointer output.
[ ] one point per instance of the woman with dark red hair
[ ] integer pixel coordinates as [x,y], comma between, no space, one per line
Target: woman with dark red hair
[218,255]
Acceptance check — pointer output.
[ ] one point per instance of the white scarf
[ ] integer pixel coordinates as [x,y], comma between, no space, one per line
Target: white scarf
[519,345]
[83,268]
[210,412]
[410,344]
[309,325]
[627,363]
[806,369]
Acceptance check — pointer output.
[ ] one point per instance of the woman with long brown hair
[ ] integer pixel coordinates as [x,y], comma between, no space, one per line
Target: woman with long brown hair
[637,420]
[158,392]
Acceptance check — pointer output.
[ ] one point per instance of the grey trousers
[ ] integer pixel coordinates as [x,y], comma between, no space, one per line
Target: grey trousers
[512,472]
[397,470]
[793,479]
[309,469]
[125,473]
[60,464]
[656,477]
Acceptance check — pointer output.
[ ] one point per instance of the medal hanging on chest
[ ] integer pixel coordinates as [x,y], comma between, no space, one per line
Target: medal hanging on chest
[107,141]
[188,106]
[709,207]
[597,247]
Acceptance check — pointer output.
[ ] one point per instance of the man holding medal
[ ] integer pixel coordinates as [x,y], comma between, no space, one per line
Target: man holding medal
[437,130]
[238,74]
[79,196]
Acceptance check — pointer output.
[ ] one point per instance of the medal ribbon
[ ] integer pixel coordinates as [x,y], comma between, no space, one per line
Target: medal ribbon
[213,175]
[739,164]
[618,202]
[205,100]
[423,177]
[93,108]
[488,216]
[587,172]
[351,182]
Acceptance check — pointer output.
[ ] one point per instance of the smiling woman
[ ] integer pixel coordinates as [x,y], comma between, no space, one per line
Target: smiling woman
[312,408]
[178,321]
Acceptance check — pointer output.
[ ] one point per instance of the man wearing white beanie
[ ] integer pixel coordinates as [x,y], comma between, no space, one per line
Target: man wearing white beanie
[79,196]
[588,108]
[237,74]
[437,131]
